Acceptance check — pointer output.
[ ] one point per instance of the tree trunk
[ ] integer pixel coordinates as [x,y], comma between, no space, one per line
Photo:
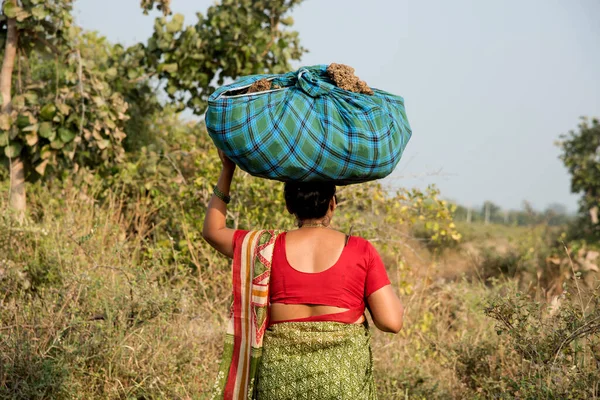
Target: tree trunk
[17,186]
[594,215]
[17,173]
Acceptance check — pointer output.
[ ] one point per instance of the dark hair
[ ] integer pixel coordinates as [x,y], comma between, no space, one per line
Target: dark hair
[308,200]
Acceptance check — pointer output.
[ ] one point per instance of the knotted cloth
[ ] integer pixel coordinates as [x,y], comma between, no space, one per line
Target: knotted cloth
[307,129]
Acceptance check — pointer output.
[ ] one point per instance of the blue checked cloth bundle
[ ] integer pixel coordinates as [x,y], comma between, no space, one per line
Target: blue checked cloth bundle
[307,129]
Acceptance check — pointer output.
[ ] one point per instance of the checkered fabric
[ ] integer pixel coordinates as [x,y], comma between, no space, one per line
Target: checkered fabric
[308,129]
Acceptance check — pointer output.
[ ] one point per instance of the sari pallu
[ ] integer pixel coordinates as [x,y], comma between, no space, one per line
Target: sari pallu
[248,318]
[316,360]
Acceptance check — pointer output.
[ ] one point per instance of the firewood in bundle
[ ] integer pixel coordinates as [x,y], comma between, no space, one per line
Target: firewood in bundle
[344,78]
[259,86]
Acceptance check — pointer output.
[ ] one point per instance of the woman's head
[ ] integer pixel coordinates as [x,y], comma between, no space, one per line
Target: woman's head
[309,200]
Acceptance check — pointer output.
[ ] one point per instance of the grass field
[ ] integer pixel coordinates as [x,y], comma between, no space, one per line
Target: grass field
[90,310]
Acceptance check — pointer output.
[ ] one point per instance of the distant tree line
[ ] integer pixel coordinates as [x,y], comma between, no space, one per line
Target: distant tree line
[554,215]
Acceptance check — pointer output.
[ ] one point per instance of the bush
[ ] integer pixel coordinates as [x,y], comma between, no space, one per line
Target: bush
[494,265]
[554,347]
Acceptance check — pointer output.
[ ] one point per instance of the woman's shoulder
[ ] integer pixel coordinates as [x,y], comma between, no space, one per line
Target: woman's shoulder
[361,240]
[362,244]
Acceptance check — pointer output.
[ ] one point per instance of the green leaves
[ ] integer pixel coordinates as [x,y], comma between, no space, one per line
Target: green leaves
[13,150]
[46,131]
[48,112]
[3,138]
[11,10]
[66,135]
[176,24]
[39,12]
[162,5]
[57,144]
[55,121]
[23,121]
[581,156]
[31,98]
[235,38]
[168,68]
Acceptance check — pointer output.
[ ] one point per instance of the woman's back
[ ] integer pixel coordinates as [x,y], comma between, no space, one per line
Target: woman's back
[319,272]
[313,250]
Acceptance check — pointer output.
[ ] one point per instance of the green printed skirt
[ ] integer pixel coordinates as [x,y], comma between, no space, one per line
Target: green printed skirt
[316,360]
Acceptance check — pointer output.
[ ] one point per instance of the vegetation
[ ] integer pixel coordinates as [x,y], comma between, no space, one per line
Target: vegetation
[554,215]
[581,156]
[72,103]
[107,290]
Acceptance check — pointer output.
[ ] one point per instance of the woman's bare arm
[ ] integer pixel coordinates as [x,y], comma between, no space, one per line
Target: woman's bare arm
[215,232]
[386,309]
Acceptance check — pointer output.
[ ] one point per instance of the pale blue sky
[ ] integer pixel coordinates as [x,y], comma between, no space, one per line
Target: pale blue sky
[489,85]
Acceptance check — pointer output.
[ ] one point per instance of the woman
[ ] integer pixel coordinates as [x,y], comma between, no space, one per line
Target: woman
[309,288]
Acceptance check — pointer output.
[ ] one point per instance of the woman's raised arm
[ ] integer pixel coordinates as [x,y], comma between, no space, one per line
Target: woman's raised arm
[215,231]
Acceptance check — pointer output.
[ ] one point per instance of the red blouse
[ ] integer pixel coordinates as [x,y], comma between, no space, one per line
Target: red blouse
[346,284]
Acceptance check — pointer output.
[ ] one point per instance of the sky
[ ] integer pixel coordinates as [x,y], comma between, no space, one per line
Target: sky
[489,86]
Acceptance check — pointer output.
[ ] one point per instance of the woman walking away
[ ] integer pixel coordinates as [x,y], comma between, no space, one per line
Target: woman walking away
[297,328]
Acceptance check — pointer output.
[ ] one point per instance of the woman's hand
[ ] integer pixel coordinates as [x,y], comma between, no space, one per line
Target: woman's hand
[228,165]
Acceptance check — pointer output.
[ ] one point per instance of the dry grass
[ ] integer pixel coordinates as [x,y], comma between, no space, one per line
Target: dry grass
[87,312]
[90,309]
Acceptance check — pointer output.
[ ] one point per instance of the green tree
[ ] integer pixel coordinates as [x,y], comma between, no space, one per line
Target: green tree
[581,156]
[235,38]
[120,65]
[72,96]
[58,107]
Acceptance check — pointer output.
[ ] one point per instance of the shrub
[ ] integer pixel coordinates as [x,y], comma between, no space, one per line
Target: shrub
[554,346]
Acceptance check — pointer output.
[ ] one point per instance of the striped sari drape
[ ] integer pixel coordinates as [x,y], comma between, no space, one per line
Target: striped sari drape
[248,318]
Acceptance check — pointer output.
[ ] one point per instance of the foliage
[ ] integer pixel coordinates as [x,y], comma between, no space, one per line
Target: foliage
[565,334]
[108,325]
[43,24]
[124,71]
[538,259]
[581,156]
[236,37]
[408,383]
[64,112]
[525,259]
[76,94]
[494,264]
[542,338]
[133,301]
[162,5]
